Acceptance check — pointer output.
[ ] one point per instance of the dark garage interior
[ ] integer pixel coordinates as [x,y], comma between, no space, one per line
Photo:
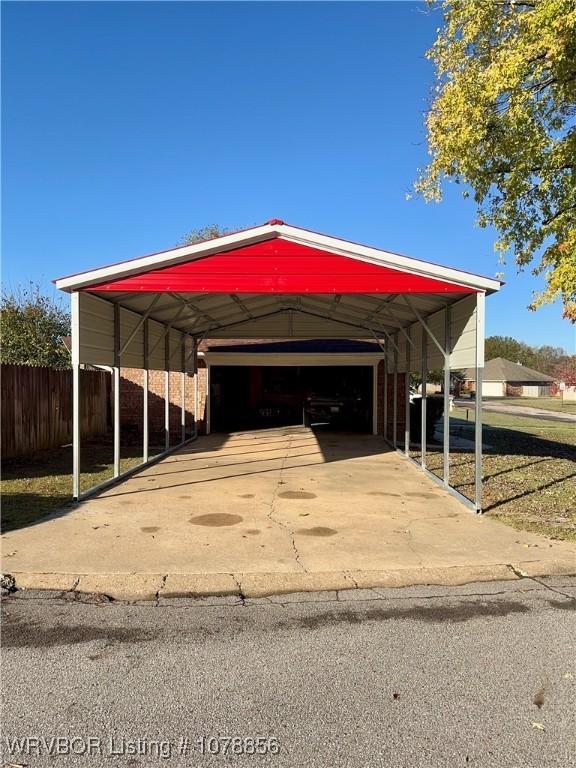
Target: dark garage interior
[323,397]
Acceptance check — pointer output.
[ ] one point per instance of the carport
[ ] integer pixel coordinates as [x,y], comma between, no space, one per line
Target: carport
[277,281]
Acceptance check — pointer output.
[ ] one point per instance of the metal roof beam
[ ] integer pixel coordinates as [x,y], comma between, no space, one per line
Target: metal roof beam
[240,322]
[166,330]
[342,322]
[426,327]
[358,315]
[140,323]
[241,305]
[193,307]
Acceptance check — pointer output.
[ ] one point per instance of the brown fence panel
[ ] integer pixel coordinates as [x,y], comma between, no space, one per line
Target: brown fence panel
[37,407]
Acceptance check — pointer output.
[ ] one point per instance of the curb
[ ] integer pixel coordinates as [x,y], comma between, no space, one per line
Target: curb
[144,586]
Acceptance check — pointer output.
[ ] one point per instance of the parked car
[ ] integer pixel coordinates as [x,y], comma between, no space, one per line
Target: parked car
[274,414]
[342,412]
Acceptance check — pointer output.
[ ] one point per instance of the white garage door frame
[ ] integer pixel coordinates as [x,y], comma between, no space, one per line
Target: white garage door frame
[293,359]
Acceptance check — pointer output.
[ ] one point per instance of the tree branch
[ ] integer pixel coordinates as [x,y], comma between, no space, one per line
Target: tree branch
[555,216]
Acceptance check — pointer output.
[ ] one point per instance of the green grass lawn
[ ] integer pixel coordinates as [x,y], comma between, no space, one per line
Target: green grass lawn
[35,485]
[529,471]
[546,403]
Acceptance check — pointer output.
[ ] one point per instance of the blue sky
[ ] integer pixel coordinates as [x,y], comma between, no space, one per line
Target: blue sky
[125,125]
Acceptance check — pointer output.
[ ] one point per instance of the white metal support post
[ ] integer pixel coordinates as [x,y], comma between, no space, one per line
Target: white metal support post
[195,377]
[207,400]
[375,399]
[446,441]
[75,302]
[145,393]
[116,390]
[183,392]
[167,389]
[480,314]
[196,403]
[385,401]
[395,401]
[424,401]
[407,398]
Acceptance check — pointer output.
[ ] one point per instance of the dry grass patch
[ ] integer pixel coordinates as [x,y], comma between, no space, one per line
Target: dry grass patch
[529,472]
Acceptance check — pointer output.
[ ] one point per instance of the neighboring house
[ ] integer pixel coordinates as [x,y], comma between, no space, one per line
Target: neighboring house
[503,378]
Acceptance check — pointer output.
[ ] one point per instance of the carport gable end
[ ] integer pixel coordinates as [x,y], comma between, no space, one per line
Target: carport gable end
[279,266]
[277,258]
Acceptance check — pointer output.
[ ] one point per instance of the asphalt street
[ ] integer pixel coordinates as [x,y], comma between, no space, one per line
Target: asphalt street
[480,675]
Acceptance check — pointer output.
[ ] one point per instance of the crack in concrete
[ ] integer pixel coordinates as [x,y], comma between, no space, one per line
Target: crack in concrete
[241,594]
[411,544]
[270,513]
[160,588]
[524,575]
[352,579]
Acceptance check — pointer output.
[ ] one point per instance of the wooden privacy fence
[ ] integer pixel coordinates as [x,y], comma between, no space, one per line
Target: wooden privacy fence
[37,407]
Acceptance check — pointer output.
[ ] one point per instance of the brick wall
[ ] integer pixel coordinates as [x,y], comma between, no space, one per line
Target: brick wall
[513,391]
[132,404]
[400,408]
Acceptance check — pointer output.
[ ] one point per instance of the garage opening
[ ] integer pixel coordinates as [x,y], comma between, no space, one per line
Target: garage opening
[323,397]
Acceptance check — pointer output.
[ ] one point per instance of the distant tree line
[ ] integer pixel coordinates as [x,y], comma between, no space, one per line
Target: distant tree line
[546,359]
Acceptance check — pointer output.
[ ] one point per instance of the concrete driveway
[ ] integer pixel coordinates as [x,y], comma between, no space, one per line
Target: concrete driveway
[273,511]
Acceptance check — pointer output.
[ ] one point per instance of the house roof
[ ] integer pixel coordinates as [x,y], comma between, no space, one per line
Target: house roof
[500,369]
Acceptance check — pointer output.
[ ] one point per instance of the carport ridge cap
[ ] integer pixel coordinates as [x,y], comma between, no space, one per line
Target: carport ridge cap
[275,228]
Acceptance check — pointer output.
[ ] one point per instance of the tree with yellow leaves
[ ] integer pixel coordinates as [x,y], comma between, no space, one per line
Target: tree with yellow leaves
[503,123]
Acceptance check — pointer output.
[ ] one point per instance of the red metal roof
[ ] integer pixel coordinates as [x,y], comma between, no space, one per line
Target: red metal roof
[278,266]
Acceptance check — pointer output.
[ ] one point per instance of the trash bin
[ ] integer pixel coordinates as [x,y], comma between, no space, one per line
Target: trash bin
[434,412]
